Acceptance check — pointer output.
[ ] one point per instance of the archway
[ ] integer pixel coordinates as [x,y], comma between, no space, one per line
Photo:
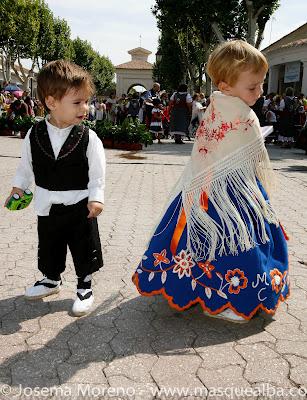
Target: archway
[136,88]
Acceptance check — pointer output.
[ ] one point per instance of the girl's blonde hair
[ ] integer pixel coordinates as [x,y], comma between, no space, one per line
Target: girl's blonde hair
[229,59]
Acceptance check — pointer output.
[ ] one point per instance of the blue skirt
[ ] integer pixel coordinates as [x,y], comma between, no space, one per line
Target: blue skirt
[246,282]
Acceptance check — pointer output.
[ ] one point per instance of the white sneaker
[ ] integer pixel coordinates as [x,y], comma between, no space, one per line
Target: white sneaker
[83,303]
[228,315]
[42,288]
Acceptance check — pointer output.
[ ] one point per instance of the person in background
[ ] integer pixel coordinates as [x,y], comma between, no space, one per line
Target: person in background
[180,115]
[133,107]
[147,98]
[156,127]
[288,108]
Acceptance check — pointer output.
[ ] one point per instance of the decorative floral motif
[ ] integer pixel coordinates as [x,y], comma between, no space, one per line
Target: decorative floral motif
[161,258]
[207,132]
[183,265]
[237,280]
[276,280]
[207,268]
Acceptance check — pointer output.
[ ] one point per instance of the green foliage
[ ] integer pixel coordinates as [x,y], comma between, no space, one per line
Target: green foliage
[83,53]
[23,123]
[63,48]
[103,73]
[128,132]
[4,123]
[191,28]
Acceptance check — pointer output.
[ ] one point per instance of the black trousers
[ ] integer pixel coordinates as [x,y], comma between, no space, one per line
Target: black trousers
[68,226]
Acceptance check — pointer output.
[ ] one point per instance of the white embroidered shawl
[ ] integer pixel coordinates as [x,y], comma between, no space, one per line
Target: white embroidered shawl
[228,156]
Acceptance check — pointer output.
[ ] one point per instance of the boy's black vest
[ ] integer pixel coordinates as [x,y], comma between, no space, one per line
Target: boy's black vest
[70,170]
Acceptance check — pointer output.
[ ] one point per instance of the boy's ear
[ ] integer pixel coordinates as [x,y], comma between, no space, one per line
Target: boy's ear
[50,102]
[224,87]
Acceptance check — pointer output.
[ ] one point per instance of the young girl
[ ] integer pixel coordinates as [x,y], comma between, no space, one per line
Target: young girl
[219,242]
[156,127]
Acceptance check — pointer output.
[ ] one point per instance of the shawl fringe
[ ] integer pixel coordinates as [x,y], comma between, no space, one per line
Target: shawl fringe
[237,225]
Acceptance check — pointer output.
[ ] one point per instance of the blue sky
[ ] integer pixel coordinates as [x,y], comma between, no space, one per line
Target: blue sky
[114,26]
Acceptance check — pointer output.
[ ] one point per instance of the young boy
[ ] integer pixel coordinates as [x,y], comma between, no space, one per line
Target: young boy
[67,162]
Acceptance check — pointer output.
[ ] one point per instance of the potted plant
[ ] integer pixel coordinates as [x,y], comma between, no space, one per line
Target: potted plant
[106,131]
[131,135]
[5,127]
[23,124]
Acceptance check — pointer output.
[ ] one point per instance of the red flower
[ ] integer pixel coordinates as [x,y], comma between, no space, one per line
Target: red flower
[207,268]
[276,280]
[236,279]
[160,258]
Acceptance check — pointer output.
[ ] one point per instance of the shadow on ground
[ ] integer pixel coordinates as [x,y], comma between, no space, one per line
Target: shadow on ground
[116,329]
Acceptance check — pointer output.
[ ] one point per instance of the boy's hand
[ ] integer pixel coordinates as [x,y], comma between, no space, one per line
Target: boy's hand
[13,191]
[95,208]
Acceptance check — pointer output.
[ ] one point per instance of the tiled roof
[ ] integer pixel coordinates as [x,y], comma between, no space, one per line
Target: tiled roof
[135,64]
[297,37]
[139,50]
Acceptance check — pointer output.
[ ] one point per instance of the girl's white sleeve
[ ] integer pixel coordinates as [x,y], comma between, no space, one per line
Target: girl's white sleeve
[24,173]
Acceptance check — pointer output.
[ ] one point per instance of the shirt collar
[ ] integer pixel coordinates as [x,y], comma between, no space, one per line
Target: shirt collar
[61,131]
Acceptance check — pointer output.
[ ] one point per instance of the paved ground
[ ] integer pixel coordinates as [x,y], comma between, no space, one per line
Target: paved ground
[132,346]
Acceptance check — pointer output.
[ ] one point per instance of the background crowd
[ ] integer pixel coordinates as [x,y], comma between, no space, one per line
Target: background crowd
[176,115]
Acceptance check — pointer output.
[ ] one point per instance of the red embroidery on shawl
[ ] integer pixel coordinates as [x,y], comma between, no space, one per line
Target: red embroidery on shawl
[218,133]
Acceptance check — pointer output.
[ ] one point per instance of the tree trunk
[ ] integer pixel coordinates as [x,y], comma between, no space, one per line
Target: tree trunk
[251,23]
[217,32]
[259,38]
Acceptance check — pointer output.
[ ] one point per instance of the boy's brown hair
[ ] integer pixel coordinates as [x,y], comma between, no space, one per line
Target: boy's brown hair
[229,59]
[57,77]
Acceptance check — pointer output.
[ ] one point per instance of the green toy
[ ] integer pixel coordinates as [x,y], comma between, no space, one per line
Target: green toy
[18,203]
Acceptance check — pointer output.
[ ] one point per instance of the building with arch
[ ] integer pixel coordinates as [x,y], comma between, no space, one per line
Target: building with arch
[138,71]
[287,59]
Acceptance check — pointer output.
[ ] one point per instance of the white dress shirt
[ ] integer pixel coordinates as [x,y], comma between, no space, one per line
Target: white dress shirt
[45,198]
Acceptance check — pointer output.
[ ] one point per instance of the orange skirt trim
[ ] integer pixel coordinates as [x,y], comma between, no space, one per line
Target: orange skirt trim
[135,280]
[284,232]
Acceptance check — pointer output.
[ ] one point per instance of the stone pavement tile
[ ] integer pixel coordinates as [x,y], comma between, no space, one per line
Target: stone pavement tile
[27,326]
[219,356]
[286,331]
[82,373]
[56,338]
[135,368]
[297,348]
[283,317]
[128,389]
[165,344]
[223,378]
[124,346]
[298,369]
[274,370]
[177,371]
[37,363]
[13,339]
[267,391]
[257,351]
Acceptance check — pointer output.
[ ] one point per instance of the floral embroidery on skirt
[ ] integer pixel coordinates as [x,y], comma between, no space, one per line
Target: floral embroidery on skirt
[251,280]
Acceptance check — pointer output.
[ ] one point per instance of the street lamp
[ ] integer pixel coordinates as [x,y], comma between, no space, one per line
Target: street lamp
[158,56]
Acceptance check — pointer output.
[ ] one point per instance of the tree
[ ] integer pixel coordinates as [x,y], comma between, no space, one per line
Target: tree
[19,26]
[102,71]
[83,53]
[63,47]
[30,31]
[198,25]
[46,44]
